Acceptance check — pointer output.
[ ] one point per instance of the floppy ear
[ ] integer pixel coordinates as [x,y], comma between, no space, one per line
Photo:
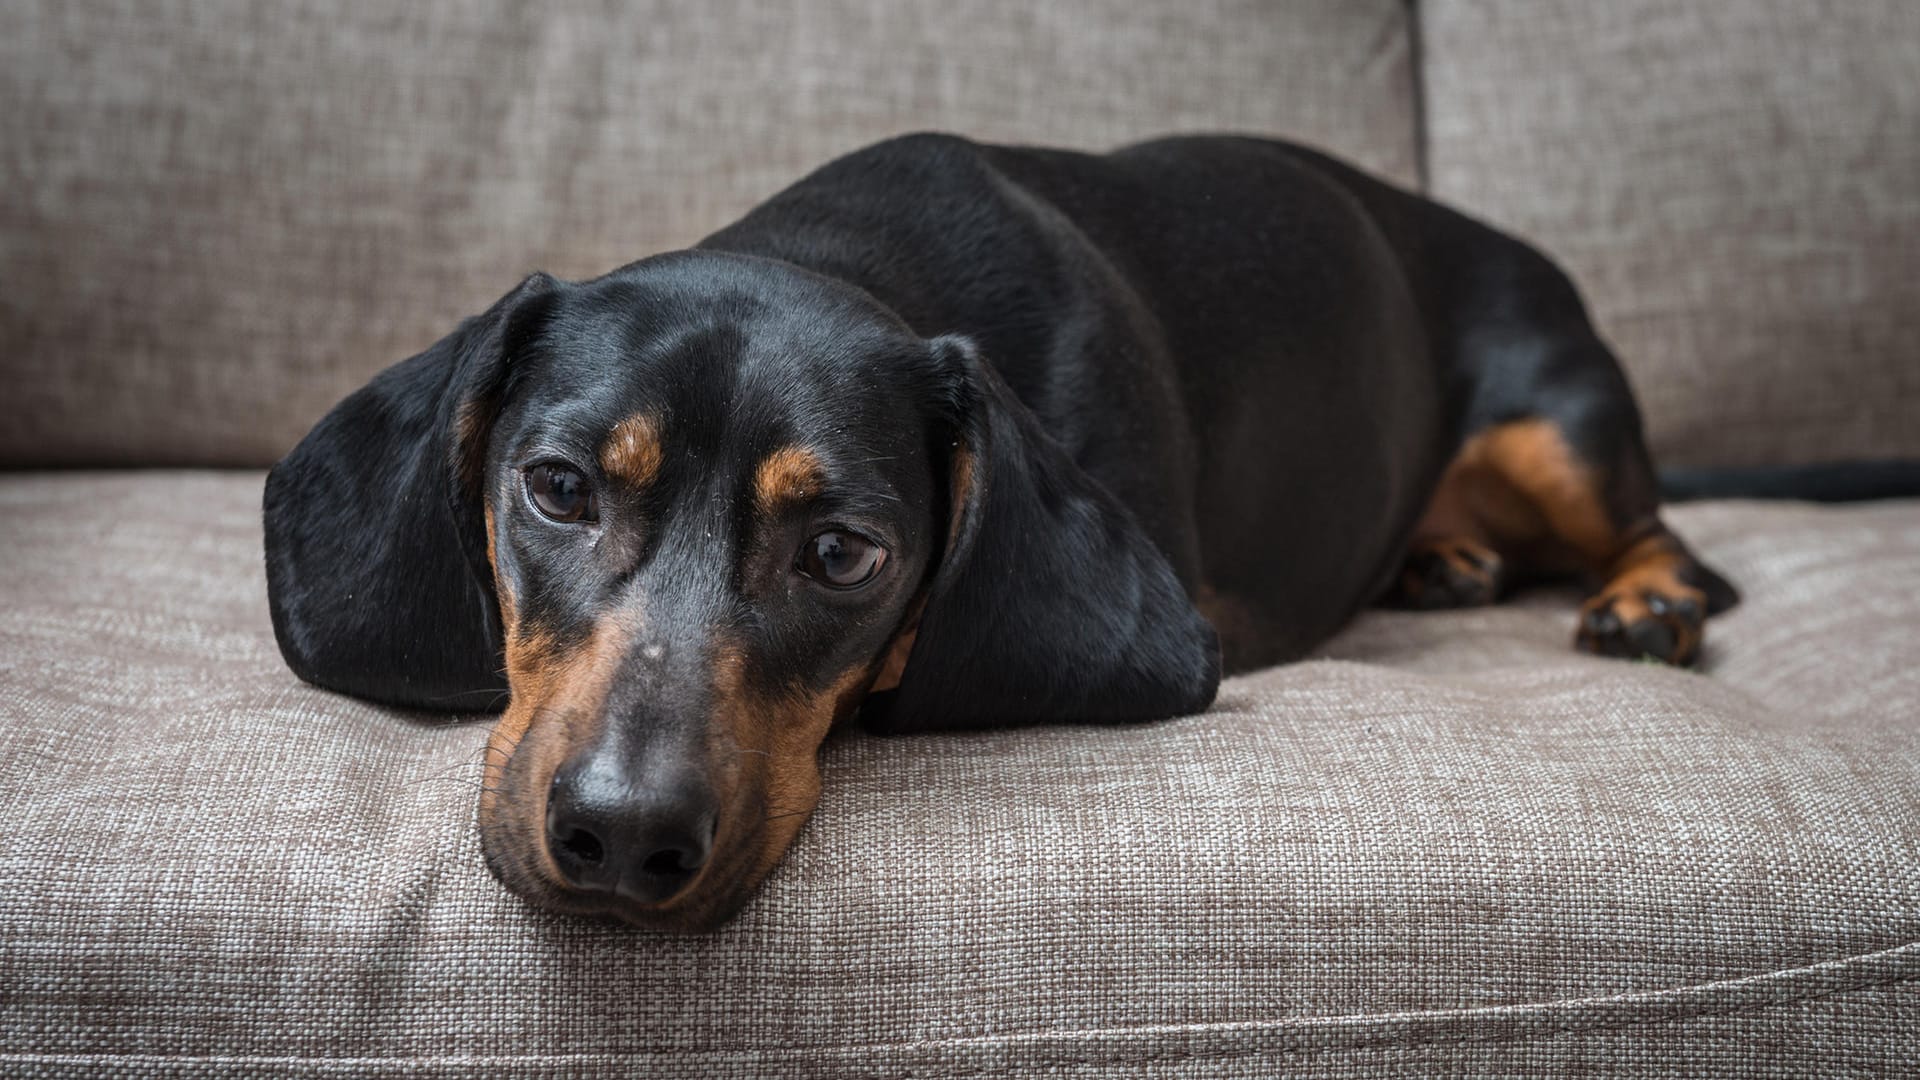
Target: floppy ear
[1050,602]
[377,572]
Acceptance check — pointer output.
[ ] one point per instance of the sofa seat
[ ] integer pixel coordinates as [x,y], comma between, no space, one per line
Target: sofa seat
[1445,843]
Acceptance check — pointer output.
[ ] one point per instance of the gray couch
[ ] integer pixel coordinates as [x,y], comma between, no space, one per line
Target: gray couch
[1446,844]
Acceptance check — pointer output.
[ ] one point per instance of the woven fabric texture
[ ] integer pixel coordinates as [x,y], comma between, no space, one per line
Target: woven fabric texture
[1735,186]
[1447,845]
[222,216]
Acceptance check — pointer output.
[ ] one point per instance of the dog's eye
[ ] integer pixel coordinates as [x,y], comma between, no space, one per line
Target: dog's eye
[840,560]
[561,493]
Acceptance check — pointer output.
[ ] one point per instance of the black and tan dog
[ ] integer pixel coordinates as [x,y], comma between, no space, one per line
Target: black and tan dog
[950,435]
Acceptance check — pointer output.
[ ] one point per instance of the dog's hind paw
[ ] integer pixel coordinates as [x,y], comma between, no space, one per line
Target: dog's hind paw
[1639,620]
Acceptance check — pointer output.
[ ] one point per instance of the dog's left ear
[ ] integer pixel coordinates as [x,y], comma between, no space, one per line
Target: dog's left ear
[376,540]
[1050,602]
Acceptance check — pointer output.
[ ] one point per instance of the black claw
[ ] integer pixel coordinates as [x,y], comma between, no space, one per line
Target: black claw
[1602,621]
[1654,638]
[1433,578]
[1423,566]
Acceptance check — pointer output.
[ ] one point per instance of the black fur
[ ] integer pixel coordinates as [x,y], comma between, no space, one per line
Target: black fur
[1218,361]
[1839,481]
[376,563]
[1049,602]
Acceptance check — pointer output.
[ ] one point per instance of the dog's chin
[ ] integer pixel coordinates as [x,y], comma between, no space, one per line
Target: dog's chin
[519,861]
[691,913]
[750,841]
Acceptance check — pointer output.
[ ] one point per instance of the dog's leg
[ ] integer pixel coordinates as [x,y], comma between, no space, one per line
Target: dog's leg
[1452,562]
[1550,496]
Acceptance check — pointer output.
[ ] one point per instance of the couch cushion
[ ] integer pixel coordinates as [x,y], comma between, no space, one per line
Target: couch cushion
[1736,188]
[1448,843]
[222,216]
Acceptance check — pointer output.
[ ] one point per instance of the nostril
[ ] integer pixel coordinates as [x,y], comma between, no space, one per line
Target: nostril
[669,862]
[607,834]
[583,845]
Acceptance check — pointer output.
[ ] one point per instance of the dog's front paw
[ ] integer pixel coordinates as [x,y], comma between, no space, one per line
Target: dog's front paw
[1448,573]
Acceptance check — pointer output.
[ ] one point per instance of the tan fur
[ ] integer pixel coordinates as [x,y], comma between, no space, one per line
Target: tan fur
[793,762]
[765,742]
[789,475]
[470,424]
[491,564]
[631,453]
[780,734]
[962,479]
[560,690]
[1648,571]
[1519,488]
[893,663]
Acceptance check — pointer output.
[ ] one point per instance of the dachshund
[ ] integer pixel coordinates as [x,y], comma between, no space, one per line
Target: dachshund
[949,435]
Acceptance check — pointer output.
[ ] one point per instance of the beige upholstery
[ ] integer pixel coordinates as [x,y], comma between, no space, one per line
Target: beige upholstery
[1736,188]
[1446,846]
[223,216]
[233,213]
[241,211]
[1452,842]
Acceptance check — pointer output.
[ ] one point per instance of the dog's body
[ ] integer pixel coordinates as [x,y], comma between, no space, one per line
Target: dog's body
[1046,402]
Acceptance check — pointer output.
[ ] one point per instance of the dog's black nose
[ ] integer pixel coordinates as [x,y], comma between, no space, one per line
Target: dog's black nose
[643,842]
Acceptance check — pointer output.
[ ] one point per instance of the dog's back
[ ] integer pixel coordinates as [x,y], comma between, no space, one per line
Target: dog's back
[1279,363]
[1275,422]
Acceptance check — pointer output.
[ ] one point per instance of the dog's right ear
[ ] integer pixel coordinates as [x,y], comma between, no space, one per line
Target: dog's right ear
[376,545]
[1049,603]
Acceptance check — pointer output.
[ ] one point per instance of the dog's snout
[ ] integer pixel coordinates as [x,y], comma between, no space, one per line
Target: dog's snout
[642,841]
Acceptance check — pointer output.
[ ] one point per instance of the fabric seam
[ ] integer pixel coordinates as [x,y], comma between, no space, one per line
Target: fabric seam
[1544,1032]
[1550,1031]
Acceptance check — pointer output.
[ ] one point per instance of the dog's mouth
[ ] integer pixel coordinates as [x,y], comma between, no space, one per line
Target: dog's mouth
[749,837]
[525,866]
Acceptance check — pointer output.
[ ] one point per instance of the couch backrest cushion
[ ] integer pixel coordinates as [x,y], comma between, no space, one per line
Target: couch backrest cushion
[223,215]
[1735,186]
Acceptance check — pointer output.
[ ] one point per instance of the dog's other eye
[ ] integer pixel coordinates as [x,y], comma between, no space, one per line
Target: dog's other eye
[561,493]
[840,560]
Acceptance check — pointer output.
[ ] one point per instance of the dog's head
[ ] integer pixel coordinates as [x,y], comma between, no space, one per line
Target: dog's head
[685,518]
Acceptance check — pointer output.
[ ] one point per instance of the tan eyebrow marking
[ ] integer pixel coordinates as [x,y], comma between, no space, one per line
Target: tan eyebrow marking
[788,475]
[632,451]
